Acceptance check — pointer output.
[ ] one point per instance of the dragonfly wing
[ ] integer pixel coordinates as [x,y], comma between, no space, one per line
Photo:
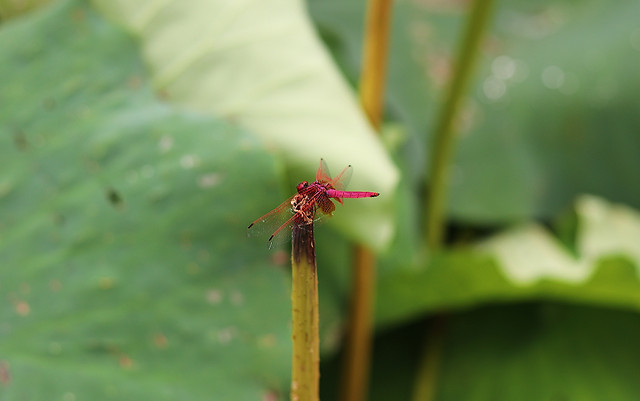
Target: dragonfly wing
[282,234]
[270,222]
[326,205]
[323,174]
[342,180]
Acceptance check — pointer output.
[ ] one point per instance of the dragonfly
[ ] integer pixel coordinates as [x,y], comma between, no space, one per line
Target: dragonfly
[311,202]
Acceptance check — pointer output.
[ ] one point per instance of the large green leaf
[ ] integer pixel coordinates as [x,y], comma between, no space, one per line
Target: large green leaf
[125,272]
[259,64]
[552,112]
[530,351]
[541,352]
[526,262]
[529,254]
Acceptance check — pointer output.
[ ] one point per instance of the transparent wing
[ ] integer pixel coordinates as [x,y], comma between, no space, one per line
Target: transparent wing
[323,174]
[270,222]
[342,180]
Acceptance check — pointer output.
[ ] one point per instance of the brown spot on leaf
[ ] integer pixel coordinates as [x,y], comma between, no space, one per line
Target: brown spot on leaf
[237,298]
[20,140]
[214,296]
[160,340]
[55,285]
[134,82]
[78,15]
[280,258]
[22,308]
[125,362]
[5,374]
[163,94]
[105,283]
[271,395]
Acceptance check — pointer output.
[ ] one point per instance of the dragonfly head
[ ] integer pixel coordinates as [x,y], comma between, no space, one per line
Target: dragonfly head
[302,186]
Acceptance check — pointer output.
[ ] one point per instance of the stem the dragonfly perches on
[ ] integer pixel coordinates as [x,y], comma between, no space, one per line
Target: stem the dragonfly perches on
[304,304]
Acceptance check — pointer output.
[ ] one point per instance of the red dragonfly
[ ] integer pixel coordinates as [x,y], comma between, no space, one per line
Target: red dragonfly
[301,208]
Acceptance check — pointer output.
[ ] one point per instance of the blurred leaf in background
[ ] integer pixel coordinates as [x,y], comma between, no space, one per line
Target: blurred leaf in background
[526,262]
[531,350]
[126,272]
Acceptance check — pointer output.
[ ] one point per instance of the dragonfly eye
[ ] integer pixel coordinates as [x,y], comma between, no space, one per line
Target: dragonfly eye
[302,186]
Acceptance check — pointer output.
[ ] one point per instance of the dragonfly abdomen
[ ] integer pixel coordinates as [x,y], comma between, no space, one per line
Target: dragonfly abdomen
[332,193]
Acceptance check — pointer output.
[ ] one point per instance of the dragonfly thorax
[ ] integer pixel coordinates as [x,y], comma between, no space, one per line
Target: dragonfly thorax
[321,185]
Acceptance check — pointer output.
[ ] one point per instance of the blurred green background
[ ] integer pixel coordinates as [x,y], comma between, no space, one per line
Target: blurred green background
[138,140]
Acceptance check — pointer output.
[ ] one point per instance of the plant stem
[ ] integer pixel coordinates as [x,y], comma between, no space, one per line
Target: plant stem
[442,148]
[305,375]
[424,387]
[374,59]
[357,357]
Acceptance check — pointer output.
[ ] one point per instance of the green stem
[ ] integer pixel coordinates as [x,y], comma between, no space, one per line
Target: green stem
[424,387]
[443,144]
[305,374]
[441,152]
